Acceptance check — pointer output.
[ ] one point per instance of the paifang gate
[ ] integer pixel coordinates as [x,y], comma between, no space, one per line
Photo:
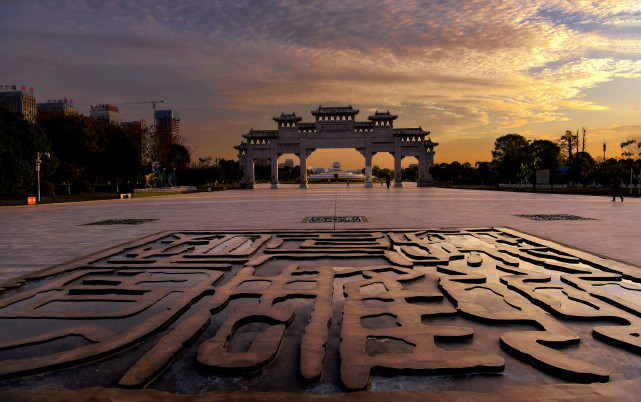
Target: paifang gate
[336,127]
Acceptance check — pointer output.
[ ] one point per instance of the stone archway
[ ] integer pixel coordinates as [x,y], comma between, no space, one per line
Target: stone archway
[336,127]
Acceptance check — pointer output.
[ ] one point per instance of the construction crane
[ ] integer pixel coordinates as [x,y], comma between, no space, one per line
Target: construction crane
[152,102]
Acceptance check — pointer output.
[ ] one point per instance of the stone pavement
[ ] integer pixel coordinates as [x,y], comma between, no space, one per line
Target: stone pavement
[429,292]
[34,238]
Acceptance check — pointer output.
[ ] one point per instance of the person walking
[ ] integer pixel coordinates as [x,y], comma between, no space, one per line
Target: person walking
[616,188]
[387,181]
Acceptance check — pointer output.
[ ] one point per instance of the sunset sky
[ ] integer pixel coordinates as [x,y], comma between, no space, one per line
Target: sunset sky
[468,71]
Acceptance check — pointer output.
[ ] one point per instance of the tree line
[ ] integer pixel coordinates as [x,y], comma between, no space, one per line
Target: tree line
[516,160]
[86,153]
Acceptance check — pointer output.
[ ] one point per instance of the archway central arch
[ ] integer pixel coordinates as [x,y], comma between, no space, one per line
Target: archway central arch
[336,127]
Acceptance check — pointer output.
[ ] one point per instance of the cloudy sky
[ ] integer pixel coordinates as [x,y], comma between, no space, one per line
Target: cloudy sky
[468,71]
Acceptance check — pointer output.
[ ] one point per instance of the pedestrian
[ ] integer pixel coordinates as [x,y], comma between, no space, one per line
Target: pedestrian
[387,181]
[616,188]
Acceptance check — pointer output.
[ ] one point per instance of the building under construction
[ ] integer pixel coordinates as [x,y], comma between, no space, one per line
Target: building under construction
[167,124]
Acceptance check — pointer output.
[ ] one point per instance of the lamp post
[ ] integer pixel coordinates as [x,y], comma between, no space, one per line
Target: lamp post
[38,162]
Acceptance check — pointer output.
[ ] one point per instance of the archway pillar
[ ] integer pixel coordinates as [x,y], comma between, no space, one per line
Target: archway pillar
[423,167]
[398,157]
[249,167]
[274,165]
[368,166]
[303,164]
[429,157]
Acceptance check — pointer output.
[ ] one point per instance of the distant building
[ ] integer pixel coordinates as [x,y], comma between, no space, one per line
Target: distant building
[135,131]
[337,170]
[287,163]
[167,124]
[105,112]
[61,106]
[19,100]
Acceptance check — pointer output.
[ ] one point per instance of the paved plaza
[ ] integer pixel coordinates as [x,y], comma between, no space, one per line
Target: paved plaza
[38,237]
[332,289]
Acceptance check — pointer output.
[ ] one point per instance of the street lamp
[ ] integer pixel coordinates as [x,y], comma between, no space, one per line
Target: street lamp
[38,162]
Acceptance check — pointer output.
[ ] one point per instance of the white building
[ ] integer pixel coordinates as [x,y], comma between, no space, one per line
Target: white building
[336,169]
[106,112]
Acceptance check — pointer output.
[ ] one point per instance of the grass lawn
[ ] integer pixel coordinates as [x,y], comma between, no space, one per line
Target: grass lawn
[61,198]
[101,195]
[97,196]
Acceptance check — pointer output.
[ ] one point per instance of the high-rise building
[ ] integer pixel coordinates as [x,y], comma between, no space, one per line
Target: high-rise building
[167,124]
[168,121]
[19,100]
[60,106]
[108,113]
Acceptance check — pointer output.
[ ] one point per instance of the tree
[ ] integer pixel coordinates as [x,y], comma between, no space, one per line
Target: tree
[74,141]
[19,142]
[118,158]
[179,156]
[409,173]
[567,143]
[510,152]
[453,172]
[387,173]
[581,170]
[485,173]
[468,173]
[545,155]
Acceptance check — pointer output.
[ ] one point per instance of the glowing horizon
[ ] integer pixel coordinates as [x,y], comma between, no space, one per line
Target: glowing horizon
[468,72]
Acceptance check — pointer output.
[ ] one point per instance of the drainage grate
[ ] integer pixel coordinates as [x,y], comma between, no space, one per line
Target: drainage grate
[325,219]
[557,217]
[121,222]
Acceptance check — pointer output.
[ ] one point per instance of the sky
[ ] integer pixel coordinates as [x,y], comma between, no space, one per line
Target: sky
[467,71]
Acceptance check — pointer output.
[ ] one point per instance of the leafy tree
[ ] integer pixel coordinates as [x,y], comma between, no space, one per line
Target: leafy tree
[409,173]
[118,158]
[510,152]
[453,172]
[468,173]
[74,142]
[485,173]
[587,166]
[545,155]
[229,170]
[386,173]
[179,156]
[19,143]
